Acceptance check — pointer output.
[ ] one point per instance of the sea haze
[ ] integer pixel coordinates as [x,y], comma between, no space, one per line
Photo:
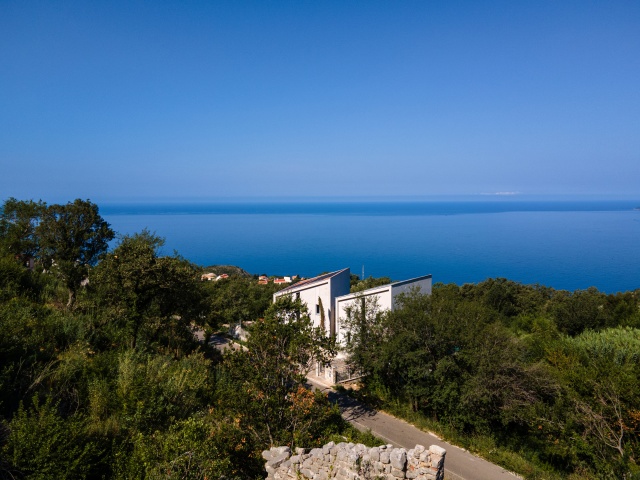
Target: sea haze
[565,244]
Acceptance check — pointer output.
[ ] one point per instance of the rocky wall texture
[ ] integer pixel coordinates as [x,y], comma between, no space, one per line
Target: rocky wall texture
[347,461]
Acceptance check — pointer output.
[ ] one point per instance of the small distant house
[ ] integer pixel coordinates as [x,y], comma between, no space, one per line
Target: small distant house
[263,281]
[208,277]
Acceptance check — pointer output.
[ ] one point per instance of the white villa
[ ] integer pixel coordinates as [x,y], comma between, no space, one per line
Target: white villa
[328,299]
[319,294]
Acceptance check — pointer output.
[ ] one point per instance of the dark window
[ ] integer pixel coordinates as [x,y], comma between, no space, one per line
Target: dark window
[317,308]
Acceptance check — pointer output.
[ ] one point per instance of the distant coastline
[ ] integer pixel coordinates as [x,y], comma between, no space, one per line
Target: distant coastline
[373,207]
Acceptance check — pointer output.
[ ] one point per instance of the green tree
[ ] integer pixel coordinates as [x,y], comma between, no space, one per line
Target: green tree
[363,323]
[43,445]
[151,299]
[599,418]
[18,223]
[266,381]
[73,237]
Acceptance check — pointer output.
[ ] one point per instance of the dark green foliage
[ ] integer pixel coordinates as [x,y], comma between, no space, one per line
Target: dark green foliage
[358,285]
[230,270]
[118,386]
[266,382]
[43,445]
[72,238]
[238,299]
[152,299]
[18,223]
[500,359]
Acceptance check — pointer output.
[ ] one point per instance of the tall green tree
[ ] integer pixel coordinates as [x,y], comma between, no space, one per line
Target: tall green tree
[18,223]
[266,381]
[73,237]
[153,299]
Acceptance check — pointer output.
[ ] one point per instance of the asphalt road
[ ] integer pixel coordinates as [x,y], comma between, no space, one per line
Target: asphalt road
[459,464]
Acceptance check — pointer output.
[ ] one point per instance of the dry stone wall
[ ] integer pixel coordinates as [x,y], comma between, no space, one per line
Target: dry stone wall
[348,461]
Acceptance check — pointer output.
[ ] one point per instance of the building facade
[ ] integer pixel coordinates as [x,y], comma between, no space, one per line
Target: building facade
[379,298]
[319,294]
[328,301]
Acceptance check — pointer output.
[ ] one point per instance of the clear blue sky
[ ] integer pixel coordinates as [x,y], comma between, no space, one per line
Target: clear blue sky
[117,100]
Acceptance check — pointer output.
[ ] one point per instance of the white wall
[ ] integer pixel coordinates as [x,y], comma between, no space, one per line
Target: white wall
[379,298]
[423,284]
[325,289]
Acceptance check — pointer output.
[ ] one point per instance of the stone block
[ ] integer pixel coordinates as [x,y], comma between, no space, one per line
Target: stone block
[436,450]
[360,448]
[374,453]
[384,456]
[398,458]
[397,473]
[411,473]
[275,462]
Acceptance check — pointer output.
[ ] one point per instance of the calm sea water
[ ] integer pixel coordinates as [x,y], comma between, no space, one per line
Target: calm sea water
[564,244]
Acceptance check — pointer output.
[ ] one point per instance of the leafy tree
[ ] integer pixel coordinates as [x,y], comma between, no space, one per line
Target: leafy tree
[18,223]
[43,445]
[73,237]
[364,325]
[369,282]
[266,381]
[152,299]
[237,299]
[600,373]
[198,448]
[580,310]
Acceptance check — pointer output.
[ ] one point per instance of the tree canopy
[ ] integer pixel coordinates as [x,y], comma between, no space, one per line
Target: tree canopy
[120,386]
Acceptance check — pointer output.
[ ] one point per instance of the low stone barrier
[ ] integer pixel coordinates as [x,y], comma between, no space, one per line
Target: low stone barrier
[348,461]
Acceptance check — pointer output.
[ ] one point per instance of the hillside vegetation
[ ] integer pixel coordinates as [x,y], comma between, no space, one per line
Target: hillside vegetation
[101,375]
[114,384]
[552,376]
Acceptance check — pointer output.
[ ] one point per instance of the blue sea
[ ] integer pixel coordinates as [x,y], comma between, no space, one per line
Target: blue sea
[565,244]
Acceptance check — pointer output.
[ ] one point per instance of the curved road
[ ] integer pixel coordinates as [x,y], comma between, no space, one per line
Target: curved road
[459,464]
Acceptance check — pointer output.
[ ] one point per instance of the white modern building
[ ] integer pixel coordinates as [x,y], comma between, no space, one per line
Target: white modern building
[319,295]
[381,298]
[328,300]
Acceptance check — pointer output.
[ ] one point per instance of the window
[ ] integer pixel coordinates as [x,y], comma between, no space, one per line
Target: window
[317,309]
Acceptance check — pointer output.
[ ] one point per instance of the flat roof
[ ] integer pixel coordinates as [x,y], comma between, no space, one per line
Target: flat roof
[386,285]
